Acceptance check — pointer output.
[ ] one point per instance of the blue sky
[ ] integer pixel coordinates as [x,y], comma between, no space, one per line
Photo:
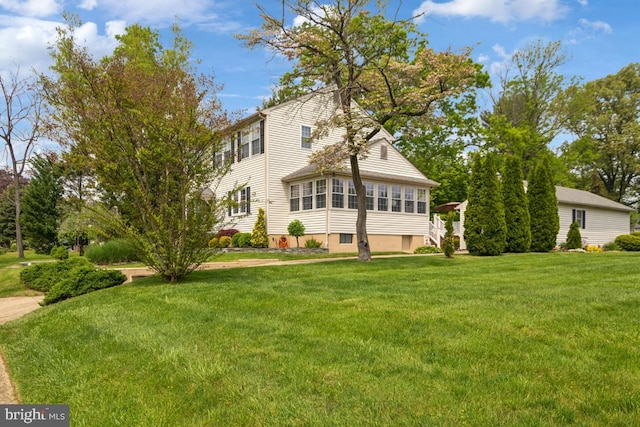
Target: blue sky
[600,37]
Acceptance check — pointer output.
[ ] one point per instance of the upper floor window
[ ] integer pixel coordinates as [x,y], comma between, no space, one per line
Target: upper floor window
[257,138]
[305,136]
[579,216]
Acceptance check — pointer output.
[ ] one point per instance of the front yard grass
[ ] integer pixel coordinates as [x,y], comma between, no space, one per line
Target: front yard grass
[10,273]
[533,339]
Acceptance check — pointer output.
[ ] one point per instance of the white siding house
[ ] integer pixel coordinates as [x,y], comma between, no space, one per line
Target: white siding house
[601,220]
[270,152]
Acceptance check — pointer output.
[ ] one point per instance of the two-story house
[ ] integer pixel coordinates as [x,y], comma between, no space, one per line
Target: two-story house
[270,152]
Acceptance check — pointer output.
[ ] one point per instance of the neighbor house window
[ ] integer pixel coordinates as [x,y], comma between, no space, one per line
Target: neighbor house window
[294,197]
[369,195]
[383,198]
[346,238]
[217,162]
[579,216]
[337,193]
[321,193]
[409,202]
[307,195]
[422,201]
[353,198]
[245,200]
[236,205]
[396,198]
[305,136]
[257,145]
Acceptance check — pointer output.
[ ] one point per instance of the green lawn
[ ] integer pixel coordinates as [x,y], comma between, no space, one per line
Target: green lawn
[534,340]
[10,273]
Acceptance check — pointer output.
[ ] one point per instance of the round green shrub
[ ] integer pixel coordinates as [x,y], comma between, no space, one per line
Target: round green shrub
[312,243]
[574,239]
[214,242]
[224,241]
[628,242]
[241,240]
[59,252]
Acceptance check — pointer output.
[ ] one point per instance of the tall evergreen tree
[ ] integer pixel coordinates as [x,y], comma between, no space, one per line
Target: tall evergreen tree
[574,238]
[543,208]
[41,203]
[516,213]
[485,228]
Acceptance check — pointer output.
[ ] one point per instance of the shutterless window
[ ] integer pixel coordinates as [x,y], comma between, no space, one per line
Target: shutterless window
[346,238]
[580,216]
[353,199]
[383,198]
[255,139]
[321,193]
[307,195]
[369,195]
[409,202]
[337,193]
[305,137]
[396,198]
[294,198]
[422,201]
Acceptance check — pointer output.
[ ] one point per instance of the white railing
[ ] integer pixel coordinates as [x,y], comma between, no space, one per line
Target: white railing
[437,229]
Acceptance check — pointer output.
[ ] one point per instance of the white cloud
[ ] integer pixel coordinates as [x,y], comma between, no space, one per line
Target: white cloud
[595,26]
[587,30]
[32,8]
[497,10]
[583,2]
[504,59]
[88,4]
[160,11]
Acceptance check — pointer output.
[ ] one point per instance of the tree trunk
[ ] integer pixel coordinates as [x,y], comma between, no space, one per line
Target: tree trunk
[364,251]
[16,199]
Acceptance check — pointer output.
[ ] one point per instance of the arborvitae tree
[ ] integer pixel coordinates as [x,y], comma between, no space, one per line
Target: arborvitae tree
[485,229]
[448,246]
[516,212]
[41,209]
[259,237]
[543,208]
[574,239]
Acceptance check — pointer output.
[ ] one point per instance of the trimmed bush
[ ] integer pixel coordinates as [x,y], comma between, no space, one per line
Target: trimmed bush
[312,243]
[628,242]
[448,246]
[574,239]
[427,250]
[111,252]
[241,240]
[214,242]
[259,237]
[41,277]
[611,246]
[296,229]
[224,242]
[59,252]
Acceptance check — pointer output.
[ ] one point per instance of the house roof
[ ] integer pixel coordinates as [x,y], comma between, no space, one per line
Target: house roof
[313,171]
[585,198]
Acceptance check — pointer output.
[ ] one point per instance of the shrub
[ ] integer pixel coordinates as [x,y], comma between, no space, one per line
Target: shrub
[259,237]
[214,242]
[628,242]
[112,252]
[41,277]
[224,242]
[230,232]
[82,280]
[543,208]
[241,240]
[3,250]
[593,248]
[59,252]
[312,243]
[611,246]
[448,246]
[296,229]
[427,250]
[574,239]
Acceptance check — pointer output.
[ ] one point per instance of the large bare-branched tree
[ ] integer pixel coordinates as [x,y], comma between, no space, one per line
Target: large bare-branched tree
[20,129]
[381,69]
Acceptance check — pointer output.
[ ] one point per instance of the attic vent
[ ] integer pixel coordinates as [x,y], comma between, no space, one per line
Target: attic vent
[383,152]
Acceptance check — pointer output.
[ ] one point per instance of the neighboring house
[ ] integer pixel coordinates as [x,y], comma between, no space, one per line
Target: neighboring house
[270,152]
[601,220]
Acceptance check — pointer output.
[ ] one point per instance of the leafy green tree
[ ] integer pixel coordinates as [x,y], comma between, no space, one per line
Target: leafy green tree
[145,126]
[516,214]
[7,217]
[574,239]
[296,229]
[259,236]
[485,228]
[543,208]
[41,203]
[604,114]
[349,48]
[449,246]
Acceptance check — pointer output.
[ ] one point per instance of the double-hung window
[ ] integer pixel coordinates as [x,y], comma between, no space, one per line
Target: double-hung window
[383,198]
[321,193]
[294,197]
[579,216]
[337,193]
[256,138]
[307,195]
[305,136]
[396,198]
[422,201]
[353,198]
[409,202]
[369,195]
